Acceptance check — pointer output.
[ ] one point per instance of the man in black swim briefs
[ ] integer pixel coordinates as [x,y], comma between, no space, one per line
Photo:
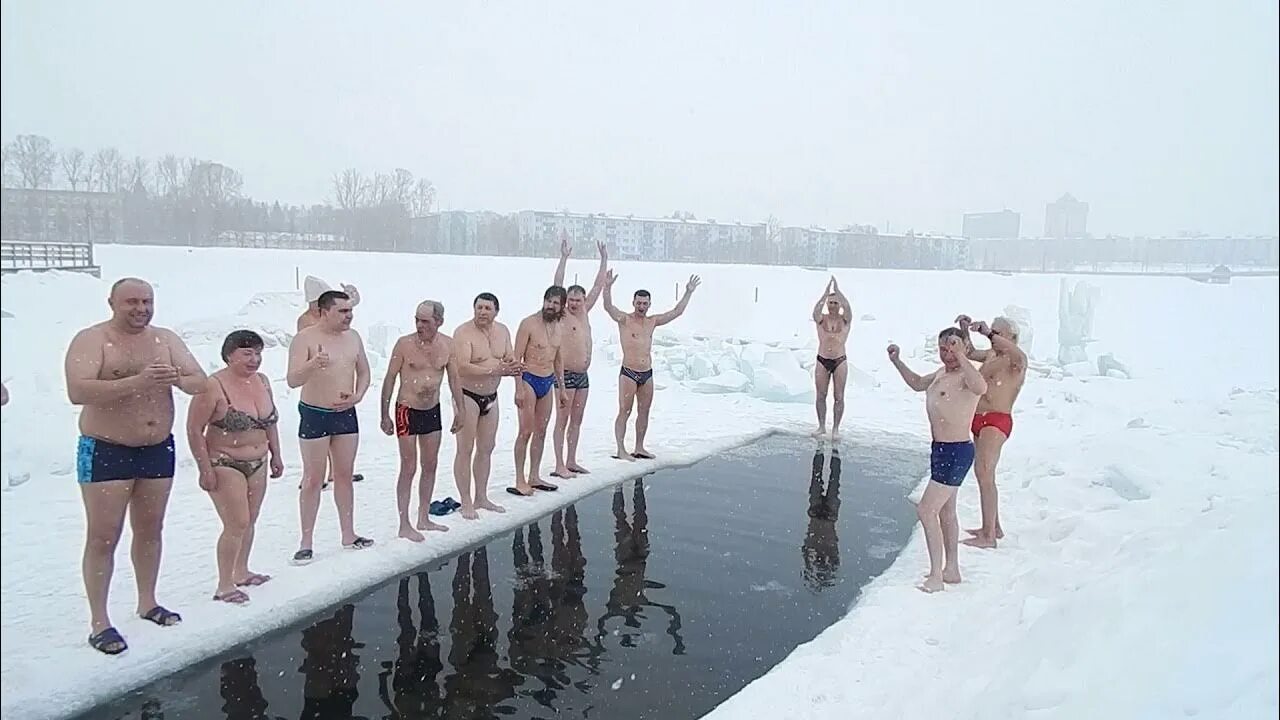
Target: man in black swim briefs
[635,332]
[833,317]
[483,354]
[122,373]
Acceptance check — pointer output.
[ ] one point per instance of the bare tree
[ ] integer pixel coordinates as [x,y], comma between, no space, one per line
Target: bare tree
[34,160]
[402,187]
[422,198]
[74,168]
[380,189]
[213,182]
[137,173]
[6,160]
[106,170]
[169,177]
[349,188]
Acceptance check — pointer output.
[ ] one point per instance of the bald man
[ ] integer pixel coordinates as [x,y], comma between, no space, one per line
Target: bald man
[122,373]
[1004,367]
[420,361]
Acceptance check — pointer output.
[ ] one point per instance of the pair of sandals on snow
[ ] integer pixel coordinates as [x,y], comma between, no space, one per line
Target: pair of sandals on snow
[239,597]
[110,642]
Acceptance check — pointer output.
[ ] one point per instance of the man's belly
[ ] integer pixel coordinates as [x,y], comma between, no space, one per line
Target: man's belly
[327,391]
[131,425]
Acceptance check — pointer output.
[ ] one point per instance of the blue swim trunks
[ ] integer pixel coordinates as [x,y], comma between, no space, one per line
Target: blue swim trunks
[317,422]
[541,385]
[949,462]
[102,461]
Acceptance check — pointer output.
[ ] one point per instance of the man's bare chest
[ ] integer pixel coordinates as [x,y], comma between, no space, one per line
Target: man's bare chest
[128,358]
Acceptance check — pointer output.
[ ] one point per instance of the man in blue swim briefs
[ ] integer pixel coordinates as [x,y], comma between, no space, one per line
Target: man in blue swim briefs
[539,386]
[327,360]
[122,373]
[951,397]
[483,355]
[635,332]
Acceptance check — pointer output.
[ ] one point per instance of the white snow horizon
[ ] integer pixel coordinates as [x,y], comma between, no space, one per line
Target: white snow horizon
[1138,578]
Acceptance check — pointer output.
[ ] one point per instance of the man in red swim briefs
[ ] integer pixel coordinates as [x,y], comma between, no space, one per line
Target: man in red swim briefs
[1004,367]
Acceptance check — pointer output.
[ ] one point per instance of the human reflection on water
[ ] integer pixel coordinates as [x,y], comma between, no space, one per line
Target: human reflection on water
[627,599]
[330,667]
[241,694]
[821,547]
[477,685]
[413,673]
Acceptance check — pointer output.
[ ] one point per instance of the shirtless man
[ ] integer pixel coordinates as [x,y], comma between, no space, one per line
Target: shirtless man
[951,397]
[122,372]
[312,288]
[1004,367]
[538,341]
[420,360]
[327,361]
[833,334]
[635,332]
[483,354]
[575,349]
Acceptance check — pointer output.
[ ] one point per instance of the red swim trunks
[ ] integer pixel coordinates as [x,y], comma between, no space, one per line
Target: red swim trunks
[998,420]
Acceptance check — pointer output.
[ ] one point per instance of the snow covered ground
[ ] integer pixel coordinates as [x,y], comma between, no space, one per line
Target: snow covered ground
[1139,578]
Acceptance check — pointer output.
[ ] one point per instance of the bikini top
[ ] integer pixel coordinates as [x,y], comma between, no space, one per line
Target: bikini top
[239,421]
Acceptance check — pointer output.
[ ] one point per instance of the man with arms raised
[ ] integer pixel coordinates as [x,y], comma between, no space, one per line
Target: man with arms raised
[541,384]
[420,360]
[951,396]
[313,288]
[483,355]
[833,335]
[635,386]
[575,350]
[122,372]
[327,361]
[1004,367]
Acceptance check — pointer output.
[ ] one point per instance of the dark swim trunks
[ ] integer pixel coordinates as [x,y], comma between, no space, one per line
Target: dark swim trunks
[412,421]
[830,363]
[317,422]
[102,461]
[639,377]
[576,380]
[949,462]
[541,384]
[482,401]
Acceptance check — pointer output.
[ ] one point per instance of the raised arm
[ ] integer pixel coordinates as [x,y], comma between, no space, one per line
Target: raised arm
[84,362]
[965,323]
[565,250]
[1017,358]
[844,301]
[822,300]
[973,379]
[301,364]
[598,285]
[191,377]
[916,382]
[609,307]
[678,310]
[352,293]
[389,381]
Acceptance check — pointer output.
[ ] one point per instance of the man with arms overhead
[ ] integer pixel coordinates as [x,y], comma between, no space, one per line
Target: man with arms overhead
[575,350]
[833,335]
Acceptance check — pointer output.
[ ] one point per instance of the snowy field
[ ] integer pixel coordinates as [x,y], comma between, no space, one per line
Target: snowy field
[1139,578]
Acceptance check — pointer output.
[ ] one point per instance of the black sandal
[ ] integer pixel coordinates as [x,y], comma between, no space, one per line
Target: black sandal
[103,641]
[162,616]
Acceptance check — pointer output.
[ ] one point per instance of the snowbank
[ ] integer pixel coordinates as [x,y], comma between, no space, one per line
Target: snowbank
[1140,555]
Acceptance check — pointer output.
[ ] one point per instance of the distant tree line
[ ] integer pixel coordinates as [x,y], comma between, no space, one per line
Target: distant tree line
[192,201]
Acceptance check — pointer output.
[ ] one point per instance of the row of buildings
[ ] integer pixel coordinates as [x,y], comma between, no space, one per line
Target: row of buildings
[991,242]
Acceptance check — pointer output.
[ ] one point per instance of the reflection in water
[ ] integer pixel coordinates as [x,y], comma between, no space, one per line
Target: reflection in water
[627,598]
[821,547]
[241,695]
[477,683]
[413,673]
[331,668]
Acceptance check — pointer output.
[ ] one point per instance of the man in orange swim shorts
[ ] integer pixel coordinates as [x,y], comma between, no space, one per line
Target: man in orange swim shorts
[1004,367]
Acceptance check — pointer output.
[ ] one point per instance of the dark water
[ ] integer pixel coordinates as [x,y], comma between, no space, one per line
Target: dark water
[657,599]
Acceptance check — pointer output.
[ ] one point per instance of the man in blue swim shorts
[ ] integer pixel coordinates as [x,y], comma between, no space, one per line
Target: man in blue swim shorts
[327,360]
[951,397]
[540,386]
[122,373]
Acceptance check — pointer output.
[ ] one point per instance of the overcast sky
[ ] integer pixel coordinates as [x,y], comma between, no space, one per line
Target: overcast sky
[1161,115]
